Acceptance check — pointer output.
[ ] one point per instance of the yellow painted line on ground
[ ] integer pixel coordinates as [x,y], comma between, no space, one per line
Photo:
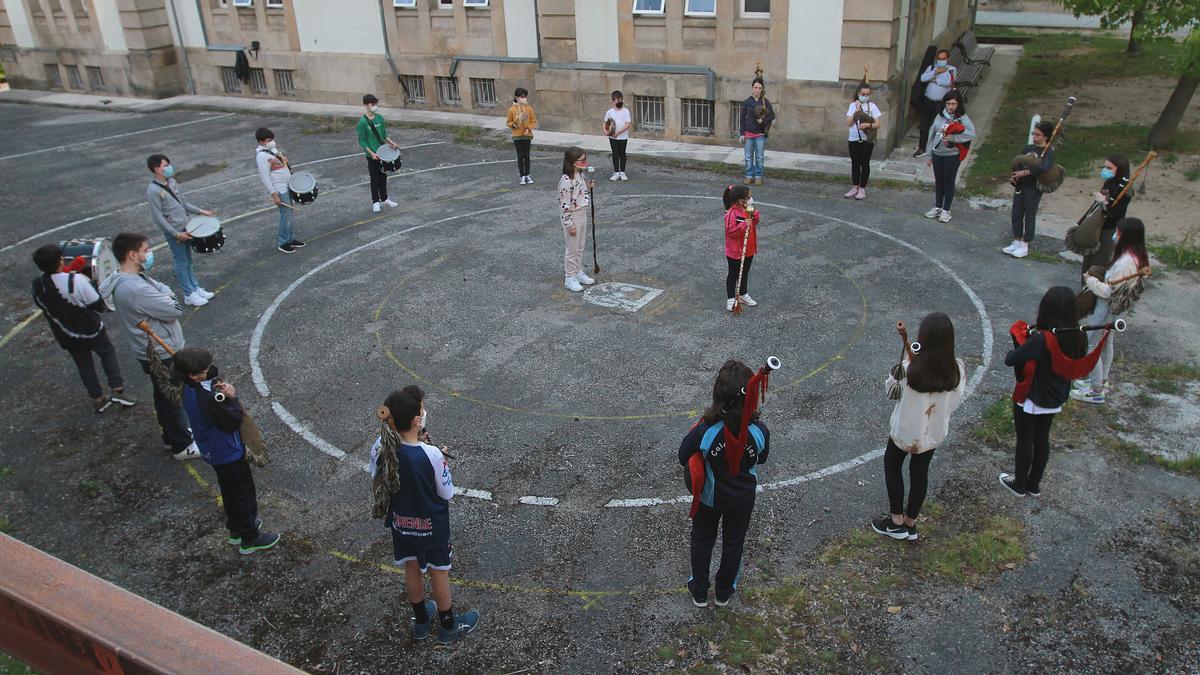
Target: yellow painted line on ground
[19,327]
[204,485]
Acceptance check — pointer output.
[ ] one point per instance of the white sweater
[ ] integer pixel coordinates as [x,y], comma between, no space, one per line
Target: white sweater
[1121,267]
[920,421]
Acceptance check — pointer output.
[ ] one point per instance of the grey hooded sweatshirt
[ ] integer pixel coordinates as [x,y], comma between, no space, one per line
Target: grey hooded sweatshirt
[137,297]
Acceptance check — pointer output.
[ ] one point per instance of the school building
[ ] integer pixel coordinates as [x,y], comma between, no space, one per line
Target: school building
[684,65]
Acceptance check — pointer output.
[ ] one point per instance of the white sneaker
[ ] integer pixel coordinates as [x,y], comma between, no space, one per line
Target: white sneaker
[616,176]
[933,213]
[529,180]
[584,279]
[748,301]
[190,452]
[1021,251]
[522,181]
[729,305]
[195,300]
[375,207]
[623,176]
[205,294]
[944,216]
[852,193]
[1012,247]
[390,203]
[572,284]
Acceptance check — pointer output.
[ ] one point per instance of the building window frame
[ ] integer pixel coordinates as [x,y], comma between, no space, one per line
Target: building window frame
[53,75]
[735,119]
[707,14]
[243,3]
[229,80]
[751,14]
[258,82]
[95,78]
[696,116]
[285,81]
[445,5]
[414,89]
[475,4]
[404,4]
[274,4]
[483,92]
[448,93]
[74,77]
[650,113]
[650,11]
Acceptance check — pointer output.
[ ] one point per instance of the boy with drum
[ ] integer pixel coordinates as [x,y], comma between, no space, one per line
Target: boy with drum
[275,172]
[372,135]
[170,212]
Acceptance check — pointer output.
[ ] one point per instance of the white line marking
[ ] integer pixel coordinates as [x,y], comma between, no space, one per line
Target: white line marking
[538,501]
[474,494]
[110,138]
[313,439]
[61,227]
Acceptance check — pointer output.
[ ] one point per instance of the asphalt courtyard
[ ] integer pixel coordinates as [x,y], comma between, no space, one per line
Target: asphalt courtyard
[564,410]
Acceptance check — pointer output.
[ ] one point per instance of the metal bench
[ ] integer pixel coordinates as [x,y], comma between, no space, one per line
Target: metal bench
[966,74]
[973,51]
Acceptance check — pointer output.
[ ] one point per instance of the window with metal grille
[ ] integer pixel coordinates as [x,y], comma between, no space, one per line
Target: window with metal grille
[95,78]
[74,78]
[448,91]
[414,89]
[735,119]
[697,116]
[230,79]
[649,113]
[483,92]
[284,84]
[258,81]
[53,76]
[275,4]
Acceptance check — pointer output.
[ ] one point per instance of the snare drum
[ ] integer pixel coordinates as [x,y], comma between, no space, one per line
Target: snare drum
[101,263]
[389,158]
[302,186]
[207,236]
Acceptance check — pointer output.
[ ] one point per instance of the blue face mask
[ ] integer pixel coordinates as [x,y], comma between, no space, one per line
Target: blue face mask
[169,171]
[1107,173]
[941,63]
[149,262]
[1114,237]
[863,99]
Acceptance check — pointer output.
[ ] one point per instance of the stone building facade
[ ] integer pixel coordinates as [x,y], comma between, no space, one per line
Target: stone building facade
[682,64]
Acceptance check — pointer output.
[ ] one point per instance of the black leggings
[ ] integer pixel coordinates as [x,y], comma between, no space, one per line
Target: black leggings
[239,497]
[523,145]
[731,277]
[378,180]
[860,162]
[733,541]
[1024,213]
[618,153]
[1033,448]
[929,110]
[918,478]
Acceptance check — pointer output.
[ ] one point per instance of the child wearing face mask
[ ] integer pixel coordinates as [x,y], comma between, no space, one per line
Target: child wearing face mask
[372,134]
[617,122]
[1027,194]
[574,196]
[522,120]
[862,140]
[949,141]
[274,171]
[171,211]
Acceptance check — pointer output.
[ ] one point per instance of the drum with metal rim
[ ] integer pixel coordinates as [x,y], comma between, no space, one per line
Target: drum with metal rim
[207,236]
[302,186]
[389,158]
[100,263]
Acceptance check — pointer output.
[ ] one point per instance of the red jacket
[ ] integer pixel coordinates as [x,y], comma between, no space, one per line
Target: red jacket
[735,228]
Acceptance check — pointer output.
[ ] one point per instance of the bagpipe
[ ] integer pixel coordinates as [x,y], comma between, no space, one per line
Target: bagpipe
[1084,236]
[755,393]
[1122,298]
[862,116]
[1060,364]
[954,127]
[907,350]
[1051,179]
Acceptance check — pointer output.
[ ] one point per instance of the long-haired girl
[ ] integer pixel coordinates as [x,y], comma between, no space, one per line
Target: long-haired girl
[573,199]
[741,235]
[933,384]
[1115,174]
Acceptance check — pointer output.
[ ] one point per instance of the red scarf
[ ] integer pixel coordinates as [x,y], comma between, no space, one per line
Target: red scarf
[957,127]
[735,445]
[1060,364]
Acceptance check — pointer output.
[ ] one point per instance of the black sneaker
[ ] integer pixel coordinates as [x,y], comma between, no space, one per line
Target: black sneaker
[262,542]
[463,625]
[236,539]
[887,528]
[1033,491]
[723,599]
[287,248]
[1009,481]
[296,243]
[919,153]
[912,533]
[101,404]
[699,598]
[122,398]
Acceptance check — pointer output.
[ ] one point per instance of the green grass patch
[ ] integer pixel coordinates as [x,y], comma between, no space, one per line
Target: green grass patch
[1180,256]
[851,547]
[92,488]
[970,555]
[333,124]
[6,526]
[1170,378]
[11,666]
[1038,256]
[6,471]
[468,134]
[996,426]
[1189,466]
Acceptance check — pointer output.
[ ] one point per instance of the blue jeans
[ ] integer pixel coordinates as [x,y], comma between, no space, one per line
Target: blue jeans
[1100,315]
[182,253]
[284,234]
[945,172]
[755,147]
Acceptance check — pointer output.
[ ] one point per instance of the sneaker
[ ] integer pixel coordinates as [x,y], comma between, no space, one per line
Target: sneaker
[699,598]
[887,528]
[748,181]
[234,539]
[99,405]
[862,193]
[1020,251]
[296,243]
[1088,396]
[623,176]
[195,300]
[1009,481]
[375,207]
[390,203]
[205,294]
[522,181]
[123,399]
[919,153]
[286,248]
[758,181]
[584,279]
[748,301]
[572,284]
[852,193]
[420,631]
[262,542]
[944,216]
[722,599]
[190,452]
[616,176]
[463,625]
[729,305]
[1012,247]
[1033,491]
[529,180]
[912,533]
[933,213]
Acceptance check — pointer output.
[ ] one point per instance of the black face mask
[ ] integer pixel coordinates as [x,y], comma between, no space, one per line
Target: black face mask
[212,373]
[620,104]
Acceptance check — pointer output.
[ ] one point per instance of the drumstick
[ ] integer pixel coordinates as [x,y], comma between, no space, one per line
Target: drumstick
[294,208]
[145,326]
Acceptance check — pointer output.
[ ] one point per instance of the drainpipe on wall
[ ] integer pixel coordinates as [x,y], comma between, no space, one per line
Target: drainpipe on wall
[187,64]
[905,85]
[387,49]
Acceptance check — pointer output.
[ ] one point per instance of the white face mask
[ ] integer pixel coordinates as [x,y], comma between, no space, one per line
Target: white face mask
[270,145]
[372,108]
[863,99]
[521,100]
[423,422]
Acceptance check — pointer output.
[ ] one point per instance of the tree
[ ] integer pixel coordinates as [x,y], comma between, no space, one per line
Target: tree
[1155,19]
